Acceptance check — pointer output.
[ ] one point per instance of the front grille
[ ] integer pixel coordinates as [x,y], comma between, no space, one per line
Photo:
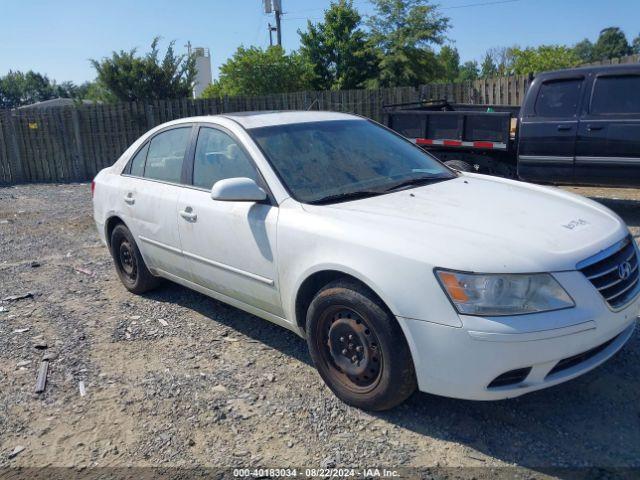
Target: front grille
[614,272]
[569,362]
[511,377]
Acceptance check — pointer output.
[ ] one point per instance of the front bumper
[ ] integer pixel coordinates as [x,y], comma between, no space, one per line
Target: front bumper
[463,362]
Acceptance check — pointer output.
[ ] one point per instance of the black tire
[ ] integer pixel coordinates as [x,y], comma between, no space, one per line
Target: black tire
[372,369]
[130,266]
[460,165]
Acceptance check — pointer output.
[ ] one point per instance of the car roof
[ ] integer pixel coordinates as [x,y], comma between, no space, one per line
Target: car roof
[259,119]
[595,69]
[270,118]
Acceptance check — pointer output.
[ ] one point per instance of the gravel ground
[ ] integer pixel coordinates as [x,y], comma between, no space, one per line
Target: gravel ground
[174,378]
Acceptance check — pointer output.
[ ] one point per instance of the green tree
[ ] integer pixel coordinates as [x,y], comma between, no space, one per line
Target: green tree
[18,88]
[254,71]
[498,62]
[404,32]
[337,50]
[488,68]
[584,50]
[130,77]
[449,60]
[95,91]
[468,71]
[612,43]
[636,45]
[542,58]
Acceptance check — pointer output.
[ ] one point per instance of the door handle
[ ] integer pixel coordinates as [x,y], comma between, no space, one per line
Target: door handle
[129,199]
[188,214]
[591,128]
[564,128]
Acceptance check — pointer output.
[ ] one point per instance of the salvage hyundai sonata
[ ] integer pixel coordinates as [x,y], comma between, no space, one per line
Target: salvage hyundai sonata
[399,272]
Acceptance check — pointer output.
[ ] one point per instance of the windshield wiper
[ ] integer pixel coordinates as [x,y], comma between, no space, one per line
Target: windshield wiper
[339,197]
[412,182]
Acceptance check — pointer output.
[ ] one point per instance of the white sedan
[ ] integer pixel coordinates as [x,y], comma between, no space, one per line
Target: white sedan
[399,272]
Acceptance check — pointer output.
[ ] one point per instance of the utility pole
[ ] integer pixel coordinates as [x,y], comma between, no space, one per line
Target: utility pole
[275,7]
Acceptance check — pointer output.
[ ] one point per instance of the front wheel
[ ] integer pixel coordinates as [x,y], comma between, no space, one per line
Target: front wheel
[358,347]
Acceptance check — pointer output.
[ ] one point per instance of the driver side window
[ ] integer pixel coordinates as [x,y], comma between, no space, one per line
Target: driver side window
[218,157]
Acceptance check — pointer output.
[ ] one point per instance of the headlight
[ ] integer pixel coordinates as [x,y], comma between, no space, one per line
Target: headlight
[503,294]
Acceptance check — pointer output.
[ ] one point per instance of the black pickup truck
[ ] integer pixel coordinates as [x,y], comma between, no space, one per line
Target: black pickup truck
[579,126]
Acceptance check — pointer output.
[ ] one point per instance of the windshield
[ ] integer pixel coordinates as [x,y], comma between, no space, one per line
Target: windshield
[342,159]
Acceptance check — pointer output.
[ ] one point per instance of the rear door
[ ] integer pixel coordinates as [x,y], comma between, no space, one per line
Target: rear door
[151,196]
[608,143]
[548,128]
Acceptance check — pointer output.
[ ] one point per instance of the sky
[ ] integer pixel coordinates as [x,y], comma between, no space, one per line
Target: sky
[58,38]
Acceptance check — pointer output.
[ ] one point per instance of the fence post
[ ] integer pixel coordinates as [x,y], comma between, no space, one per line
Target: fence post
[15,160]
[148,109]
[79,153]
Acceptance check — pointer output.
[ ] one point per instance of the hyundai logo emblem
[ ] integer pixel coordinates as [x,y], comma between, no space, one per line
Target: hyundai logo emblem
[624,270]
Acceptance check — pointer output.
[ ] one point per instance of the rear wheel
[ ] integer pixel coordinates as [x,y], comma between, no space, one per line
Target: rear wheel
[130,266]
[358,347]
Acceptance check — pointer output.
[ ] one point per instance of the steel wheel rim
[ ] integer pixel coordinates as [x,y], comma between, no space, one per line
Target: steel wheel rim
[127,260]
[350,349]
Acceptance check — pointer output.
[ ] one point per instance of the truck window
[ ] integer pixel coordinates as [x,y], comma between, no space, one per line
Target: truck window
[558,98]
[619,94]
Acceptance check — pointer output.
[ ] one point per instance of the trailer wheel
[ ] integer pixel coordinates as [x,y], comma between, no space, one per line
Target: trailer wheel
[459,165]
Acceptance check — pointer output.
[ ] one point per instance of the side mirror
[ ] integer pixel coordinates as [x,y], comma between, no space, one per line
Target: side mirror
[240,189]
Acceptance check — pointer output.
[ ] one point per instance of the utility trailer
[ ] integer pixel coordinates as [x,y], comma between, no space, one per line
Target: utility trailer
[467,137]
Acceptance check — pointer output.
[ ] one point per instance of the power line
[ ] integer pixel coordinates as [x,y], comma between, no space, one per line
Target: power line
[302,18]
[468,5]
[479,4]
[362,2]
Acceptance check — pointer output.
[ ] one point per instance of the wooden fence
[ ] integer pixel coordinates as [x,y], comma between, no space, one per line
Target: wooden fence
[67,144]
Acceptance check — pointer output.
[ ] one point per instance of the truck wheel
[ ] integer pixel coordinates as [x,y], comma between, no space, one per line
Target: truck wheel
[130,266]
[459,165]
[358,347]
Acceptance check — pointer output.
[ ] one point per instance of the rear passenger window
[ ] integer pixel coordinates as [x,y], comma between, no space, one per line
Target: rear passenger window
[137,163]
[613,95]
[219,157]
[558,98]
[166,152]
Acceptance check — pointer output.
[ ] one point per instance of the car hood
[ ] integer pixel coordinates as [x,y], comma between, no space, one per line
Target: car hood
[480,223]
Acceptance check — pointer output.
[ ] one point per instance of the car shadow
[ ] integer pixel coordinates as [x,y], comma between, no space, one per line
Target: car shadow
[242,322]
[592,420]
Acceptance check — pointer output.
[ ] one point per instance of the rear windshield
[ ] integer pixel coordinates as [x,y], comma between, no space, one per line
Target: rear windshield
[319,159]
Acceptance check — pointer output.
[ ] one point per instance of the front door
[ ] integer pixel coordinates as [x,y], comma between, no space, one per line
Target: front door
[230,246]
[546,151]
[608,144]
